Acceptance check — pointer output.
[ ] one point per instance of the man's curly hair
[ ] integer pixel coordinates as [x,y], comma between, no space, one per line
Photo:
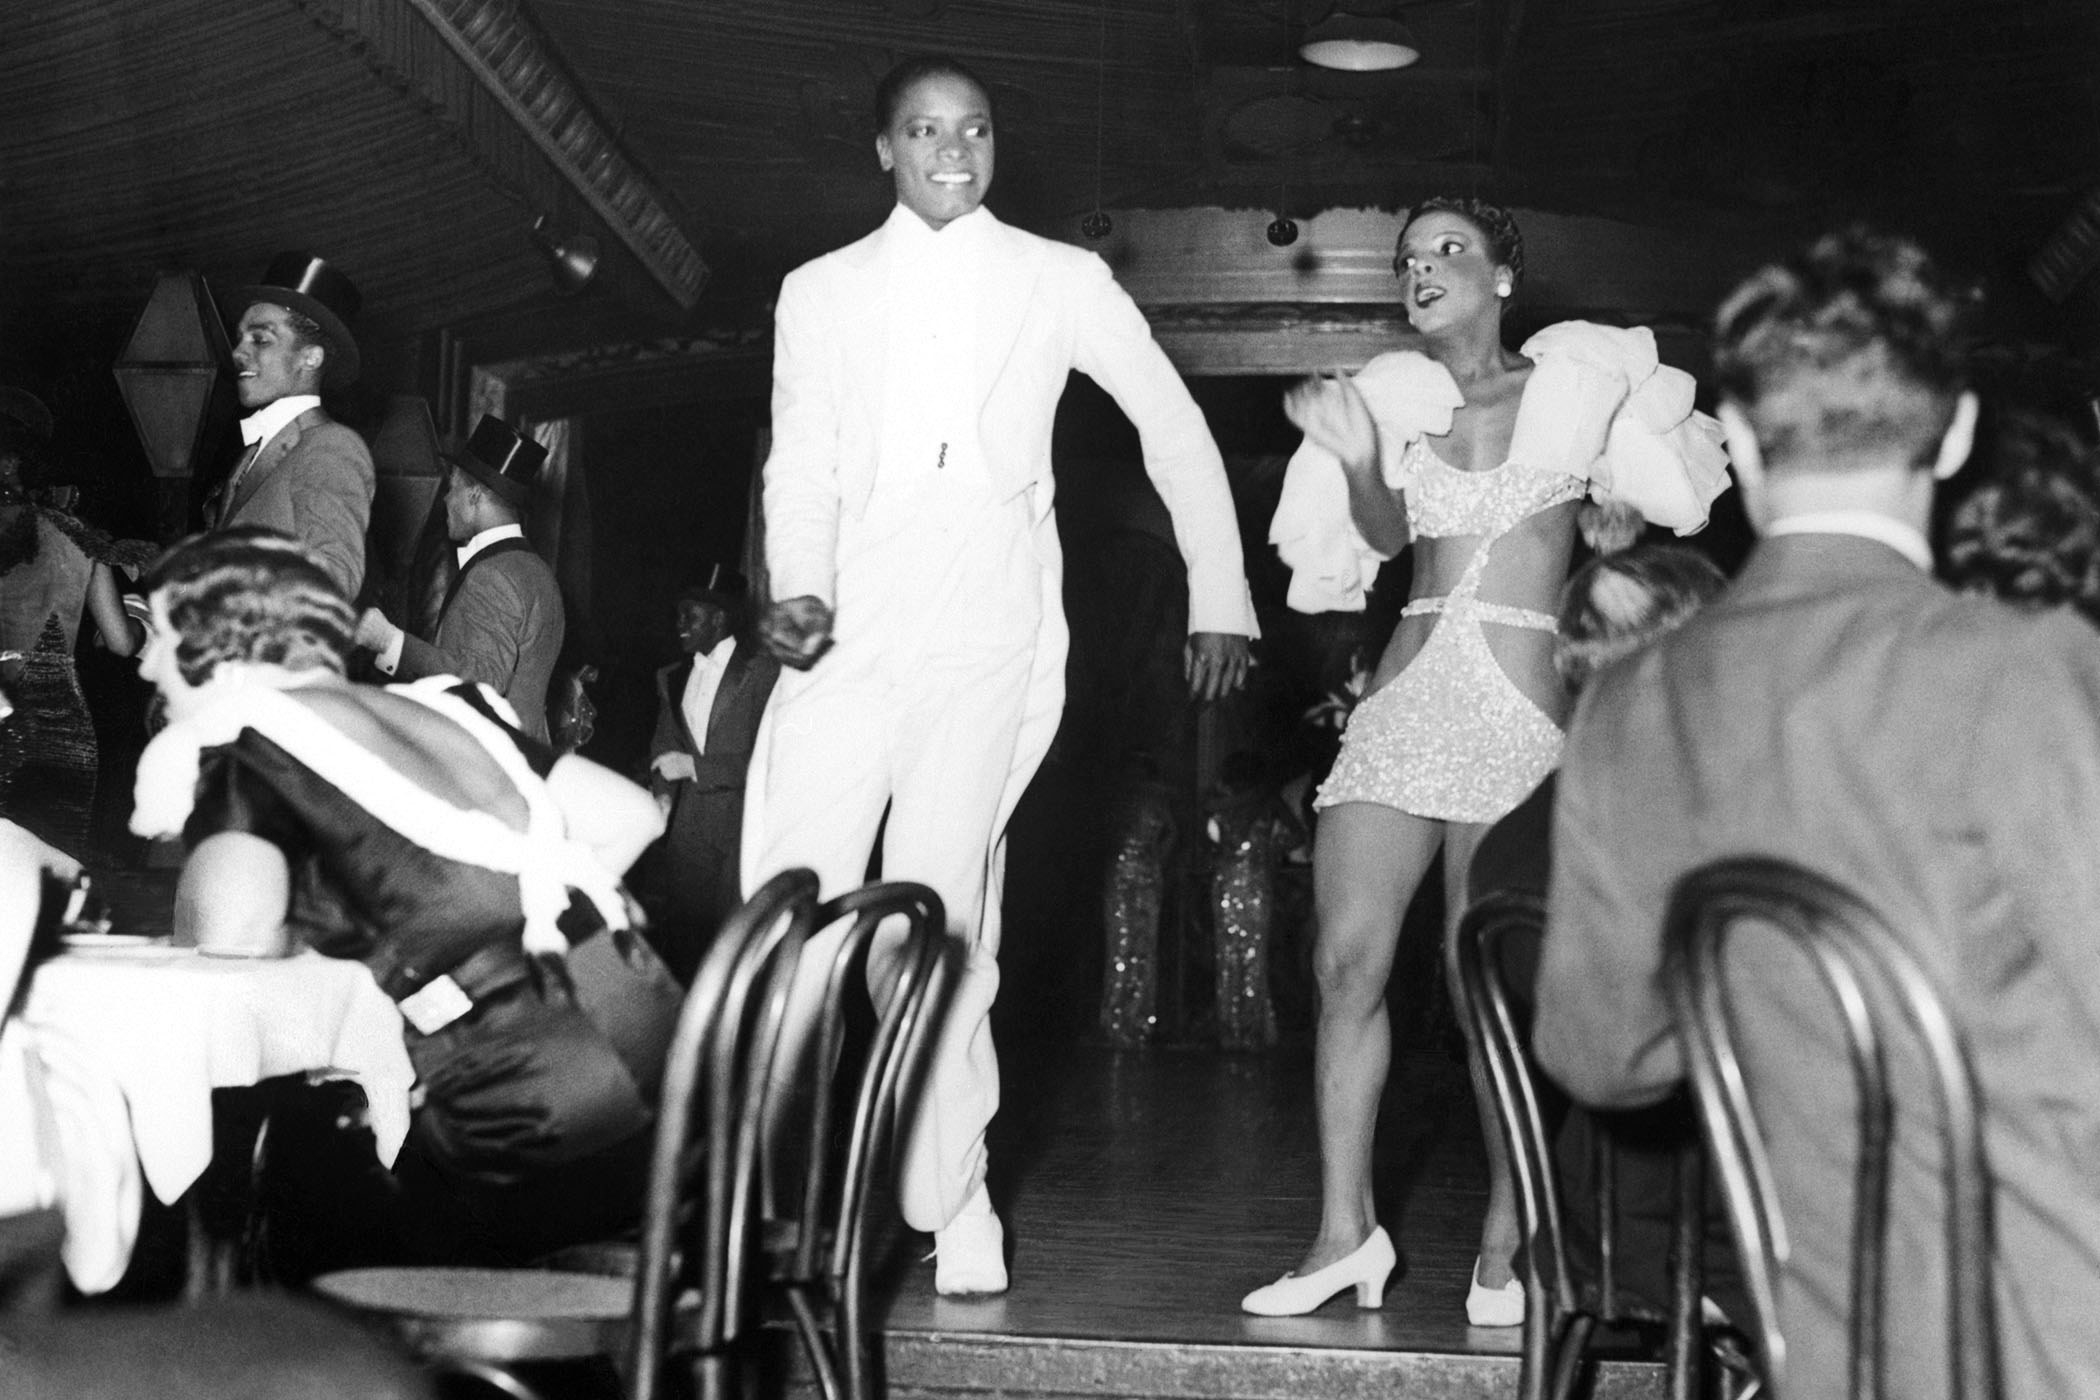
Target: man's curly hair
[250,594]
[1505,241]
[1854,346]
[2030,534]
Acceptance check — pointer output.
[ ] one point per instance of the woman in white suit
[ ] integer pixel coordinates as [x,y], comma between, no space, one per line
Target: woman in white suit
[915,561]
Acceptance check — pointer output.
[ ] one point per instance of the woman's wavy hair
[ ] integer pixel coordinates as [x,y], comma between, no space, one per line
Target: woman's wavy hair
[1618,604]
[2030,533]
[250,594]
[1505,241]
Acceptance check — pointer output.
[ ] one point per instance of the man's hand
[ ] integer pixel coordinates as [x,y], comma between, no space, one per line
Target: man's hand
[797,631]
[374,632]
[1332,413]
[675,767]
[1215,663]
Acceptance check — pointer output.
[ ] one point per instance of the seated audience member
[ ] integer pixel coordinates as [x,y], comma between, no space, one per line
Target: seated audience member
[1939,754]
[707,712]
[2031,533]
[409,828]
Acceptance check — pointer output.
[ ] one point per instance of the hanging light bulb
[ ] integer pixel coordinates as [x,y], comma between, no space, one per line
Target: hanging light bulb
[1097,225]
[1282,231]
[573,260]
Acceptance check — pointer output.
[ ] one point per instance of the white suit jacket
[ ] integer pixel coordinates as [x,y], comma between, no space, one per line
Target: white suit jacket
[1046,309]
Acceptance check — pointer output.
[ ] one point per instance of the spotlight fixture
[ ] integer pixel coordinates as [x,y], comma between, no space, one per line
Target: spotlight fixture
[1097,225]
[573,260]
[1283,232]
[1358,44]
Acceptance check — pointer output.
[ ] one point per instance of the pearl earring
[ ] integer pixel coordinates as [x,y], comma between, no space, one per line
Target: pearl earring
[1502,289]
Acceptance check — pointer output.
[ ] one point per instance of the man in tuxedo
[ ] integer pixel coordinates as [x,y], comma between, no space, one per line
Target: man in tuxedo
[1939,754]
[300,471]
[915,557]
[502,622]
[707,712]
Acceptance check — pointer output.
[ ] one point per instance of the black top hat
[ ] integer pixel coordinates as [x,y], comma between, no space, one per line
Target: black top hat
[500,458]
[715,581]
[316,290]
[25,412]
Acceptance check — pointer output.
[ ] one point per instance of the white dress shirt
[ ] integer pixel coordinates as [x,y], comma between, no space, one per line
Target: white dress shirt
[702,686]
[268,421]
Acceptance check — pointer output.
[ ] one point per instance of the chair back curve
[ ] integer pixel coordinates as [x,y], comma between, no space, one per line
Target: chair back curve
[697,1219]
[1881,992]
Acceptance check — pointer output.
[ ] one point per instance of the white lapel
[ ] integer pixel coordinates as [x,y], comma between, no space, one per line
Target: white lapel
[1011,271]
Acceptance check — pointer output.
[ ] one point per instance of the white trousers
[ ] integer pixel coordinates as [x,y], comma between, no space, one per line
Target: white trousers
[947,746]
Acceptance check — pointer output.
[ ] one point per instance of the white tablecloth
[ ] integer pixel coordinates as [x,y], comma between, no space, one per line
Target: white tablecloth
[172,1025]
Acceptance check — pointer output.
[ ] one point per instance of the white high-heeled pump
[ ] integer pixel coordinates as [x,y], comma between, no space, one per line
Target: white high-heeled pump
[1365,1270]
[1494,1307]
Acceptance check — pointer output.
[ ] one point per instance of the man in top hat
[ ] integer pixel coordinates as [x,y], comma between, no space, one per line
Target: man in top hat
[502,621]
[302,472]
[707,714]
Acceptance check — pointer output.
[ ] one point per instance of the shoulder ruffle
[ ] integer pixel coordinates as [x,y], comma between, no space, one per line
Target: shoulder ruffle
[1600,406]
[1332,566]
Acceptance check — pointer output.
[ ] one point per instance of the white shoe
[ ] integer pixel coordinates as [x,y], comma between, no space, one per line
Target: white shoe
[1366,1270]
[1494,1307]
[969,1252]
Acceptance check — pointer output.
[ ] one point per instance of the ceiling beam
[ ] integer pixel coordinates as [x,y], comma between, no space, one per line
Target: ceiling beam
[506,54]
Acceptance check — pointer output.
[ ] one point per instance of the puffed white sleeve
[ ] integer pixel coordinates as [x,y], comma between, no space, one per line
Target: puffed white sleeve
[1332,565]
[1602,407]
[801,473]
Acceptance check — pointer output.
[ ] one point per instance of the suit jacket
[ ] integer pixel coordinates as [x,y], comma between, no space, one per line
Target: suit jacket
[1940,755]
[701,843]
[503,627]
[314,481]
[1046,309]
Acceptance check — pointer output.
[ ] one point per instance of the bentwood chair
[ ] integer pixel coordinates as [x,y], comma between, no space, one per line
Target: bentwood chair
[1879,990]
[816,1238]
[684,1302]
[1560,1318]
[816,1182]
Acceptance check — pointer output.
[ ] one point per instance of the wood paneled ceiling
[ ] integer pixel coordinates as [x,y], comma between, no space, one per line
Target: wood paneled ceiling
[210,133]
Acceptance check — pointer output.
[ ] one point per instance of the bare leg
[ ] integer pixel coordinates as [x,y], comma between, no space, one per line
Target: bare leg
[1368,861]
[1501,1232]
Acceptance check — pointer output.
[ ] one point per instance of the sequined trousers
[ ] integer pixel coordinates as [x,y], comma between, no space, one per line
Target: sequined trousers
[1248,840]
[1132,899]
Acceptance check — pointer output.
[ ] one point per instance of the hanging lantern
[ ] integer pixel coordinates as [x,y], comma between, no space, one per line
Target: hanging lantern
[170,369]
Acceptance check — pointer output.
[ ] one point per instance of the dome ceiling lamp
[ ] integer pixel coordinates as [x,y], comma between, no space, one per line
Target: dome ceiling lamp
[1355,42]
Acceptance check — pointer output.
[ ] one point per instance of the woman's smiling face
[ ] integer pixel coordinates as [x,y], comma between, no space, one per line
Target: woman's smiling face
[1447,270]
[938,148]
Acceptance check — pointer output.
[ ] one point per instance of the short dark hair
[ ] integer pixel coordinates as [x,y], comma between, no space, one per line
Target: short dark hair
[1852,345]
[1505,240]
[2030,533]
[250,594]
[1617,604]
[889,93]
[307,331]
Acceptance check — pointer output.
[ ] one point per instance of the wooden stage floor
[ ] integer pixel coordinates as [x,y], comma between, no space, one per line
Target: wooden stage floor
[1146,1192]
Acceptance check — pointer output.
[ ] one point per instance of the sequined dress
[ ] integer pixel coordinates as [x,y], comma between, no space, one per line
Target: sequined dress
[48,756]
[1451,737]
